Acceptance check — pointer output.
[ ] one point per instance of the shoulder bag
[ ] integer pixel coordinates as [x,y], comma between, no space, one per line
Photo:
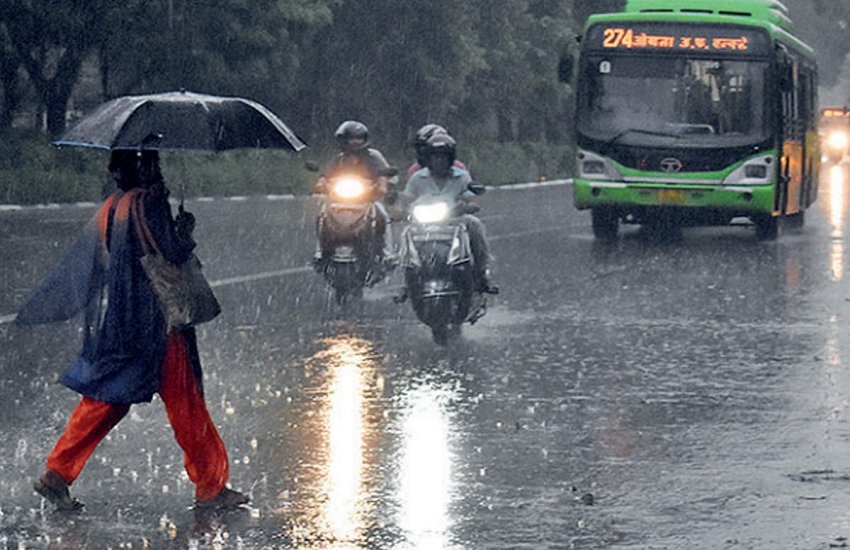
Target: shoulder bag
[183,293]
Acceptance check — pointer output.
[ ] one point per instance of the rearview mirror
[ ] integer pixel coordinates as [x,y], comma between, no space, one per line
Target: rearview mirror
[477,188]
[389,172]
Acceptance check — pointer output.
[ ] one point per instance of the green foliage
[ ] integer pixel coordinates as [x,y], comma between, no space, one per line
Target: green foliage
[50,39]
[585,8]
[33,171]
[823,24]
[496,163]
[235,173]
[488,71]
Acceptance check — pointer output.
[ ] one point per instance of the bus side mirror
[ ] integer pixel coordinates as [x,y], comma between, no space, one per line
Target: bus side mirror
[565,69]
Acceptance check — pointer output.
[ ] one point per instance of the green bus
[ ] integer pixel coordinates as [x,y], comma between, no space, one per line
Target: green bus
[695,112]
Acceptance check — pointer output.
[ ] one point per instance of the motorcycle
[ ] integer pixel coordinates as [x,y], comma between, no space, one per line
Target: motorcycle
[347,226]
[438,266]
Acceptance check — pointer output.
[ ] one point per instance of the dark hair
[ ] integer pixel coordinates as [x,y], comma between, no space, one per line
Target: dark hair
[124,167]
[150,173]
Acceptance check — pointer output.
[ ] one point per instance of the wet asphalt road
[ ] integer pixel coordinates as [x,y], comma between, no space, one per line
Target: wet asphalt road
[660,392]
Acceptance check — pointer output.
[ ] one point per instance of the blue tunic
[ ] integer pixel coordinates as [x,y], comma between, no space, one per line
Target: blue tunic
[125,331]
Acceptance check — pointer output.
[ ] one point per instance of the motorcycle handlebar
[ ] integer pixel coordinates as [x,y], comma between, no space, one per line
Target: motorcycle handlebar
[467,208]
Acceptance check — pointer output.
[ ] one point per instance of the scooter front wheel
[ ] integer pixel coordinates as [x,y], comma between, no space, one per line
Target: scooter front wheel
[445,333]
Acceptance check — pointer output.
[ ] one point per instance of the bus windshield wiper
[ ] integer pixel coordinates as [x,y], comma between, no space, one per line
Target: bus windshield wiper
[642,131]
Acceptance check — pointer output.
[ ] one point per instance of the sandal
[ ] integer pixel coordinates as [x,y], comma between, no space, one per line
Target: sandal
[227,498]
[55,489]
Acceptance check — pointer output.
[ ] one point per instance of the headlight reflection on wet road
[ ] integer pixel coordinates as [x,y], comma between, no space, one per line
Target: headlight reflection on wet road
[350,364]
[837,210]
[426,482]
[836,206]
[351,427]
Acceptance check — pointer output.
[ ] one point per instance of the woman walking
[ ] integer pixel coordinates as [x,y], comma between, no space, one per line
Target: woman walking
[129,351]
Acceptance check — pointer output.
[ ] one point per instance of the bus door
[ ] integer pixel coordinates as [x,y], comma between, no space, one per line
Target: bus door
[789,192]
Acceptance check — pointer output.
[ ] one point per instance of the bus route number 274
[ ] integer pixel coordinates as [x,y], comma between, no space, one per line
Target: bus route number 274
[617,37]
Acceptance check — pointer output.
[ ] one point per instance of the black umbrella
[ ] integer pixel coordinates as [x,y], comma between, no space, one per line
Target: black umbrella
[181,120]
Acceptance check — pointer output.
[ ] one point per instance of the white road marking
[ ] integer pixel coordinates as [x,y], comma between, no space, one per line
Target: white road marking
[260,276]
[6,319]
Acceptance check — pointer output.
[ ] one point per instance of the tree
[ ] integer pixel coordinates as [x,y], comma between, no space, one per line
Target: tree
[227,47]
[824,25]
[516,90]
[393,65]
[10,63]
[52,38]
[582,9]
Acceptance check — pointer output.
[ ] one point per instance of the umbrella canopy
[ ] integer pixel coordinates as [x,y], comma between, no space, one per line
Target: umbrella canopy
[181,120]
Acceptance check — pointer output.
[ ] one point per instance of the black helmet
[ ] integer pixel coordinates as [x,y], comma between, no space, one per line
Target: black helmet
[420,142]
[443,143]
[351,129]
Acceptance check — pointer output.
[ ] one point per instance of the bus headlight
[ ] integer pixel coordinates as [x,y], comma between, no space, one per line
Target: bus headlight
[593,167]
[756,171]
[596,167]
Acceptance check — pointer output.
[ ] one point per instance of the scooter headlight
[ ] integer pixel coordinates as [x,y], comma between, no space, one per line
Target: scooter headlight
[431,213]
[349,188]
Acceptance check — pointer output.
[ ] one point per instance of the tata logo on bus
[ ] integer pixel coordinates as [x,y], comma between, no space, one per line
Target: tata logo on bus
[671,165]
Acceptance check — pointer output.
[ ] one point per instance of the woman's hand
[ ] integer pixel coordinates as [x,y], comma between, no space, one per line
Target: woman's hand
[185,223]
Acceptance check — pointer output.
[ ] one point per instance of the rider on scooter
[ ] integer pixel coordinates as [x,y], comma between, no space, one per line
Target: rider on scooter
[442,178]
[420,145]
[357,158]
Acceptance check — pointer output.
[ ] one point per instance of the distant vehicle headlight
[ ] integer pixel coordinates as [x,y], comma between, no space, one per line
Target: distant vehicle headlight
[431,213]
[349,188]
[837,140]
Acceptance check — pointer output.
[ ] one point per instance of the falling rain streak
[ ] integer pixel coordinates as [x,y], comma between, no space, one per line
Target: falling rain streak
[693,388]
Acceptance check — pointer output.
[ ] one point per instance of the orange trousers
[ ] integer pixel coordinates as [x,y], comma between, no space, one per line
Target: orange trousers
[205,457]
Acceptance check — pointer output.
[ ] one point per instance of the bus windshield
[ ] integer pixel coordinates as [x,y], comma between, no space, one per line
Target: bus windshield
[672,100]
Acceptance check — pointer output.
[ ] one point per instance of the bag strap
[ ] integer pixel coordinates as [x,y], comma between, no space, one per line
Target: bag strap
[142,230]
[105,215]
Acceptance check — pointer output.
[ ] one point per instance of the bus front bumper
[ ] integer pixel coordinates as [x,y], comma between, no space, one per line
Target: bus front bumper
[643,199]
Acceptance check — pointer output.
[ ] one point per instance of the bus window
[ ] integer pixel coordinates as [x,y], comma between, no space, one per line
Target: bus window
[717,101]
